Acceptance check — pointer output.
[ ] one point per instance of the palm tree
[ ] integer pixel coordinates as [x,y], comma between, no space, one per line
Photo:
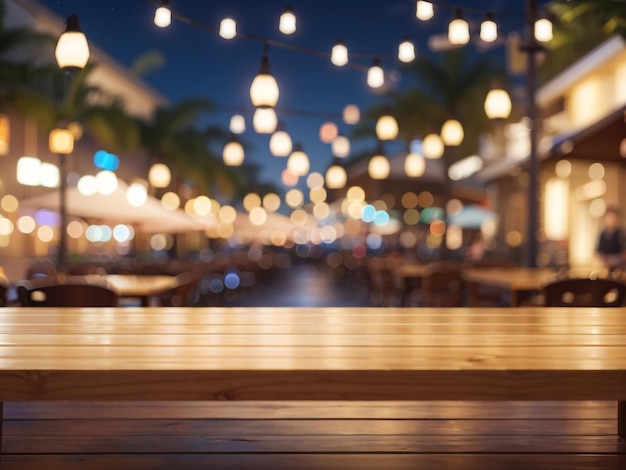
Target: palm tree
[610,15]
[172,136]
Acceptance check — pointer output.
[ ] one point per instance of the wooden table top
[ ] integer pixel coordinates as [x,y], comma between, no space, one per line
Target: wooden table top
[131,285]
[521,279]
[416,271]
[315,353]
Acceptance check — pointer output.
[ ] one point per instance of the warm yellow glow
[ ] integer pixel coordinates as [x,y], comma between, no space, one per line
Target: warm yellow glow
[28,171]
[458,30]
[386,127]
[237,124]
[251,201]
[563,168]
[355,209]
[202,205]
[45,233]
[233,153]
[351,114]
[298,163]
[106,182]
[328,132]
[264,120]
[189,207]
[228,28]
[375,75]
[137,194]
[278,238]
[258,216]
[432,146]
[61,141]
[280,144]
[409,200]
[488,29]
[378,167]
[317,195]
[225,230]
[355,193]
[406,51]
[514,238]
[170,201]
[424,10]
[287,22]
[336,177]
[75,229]
[227,215]
[543,30]
[597,208]
[414,165]
[321,210]
[425,199]
[465,168]
[340,146]
[159,175]
[271,202]
[339,54]
[163,17]
[288,178]
[294,198]
[72,50]
[5,134]
[49,175]
[26,224]
[264,90]
[315,180]
[498,104]
[452,133]
[596,171]
[454,237]
[299,217]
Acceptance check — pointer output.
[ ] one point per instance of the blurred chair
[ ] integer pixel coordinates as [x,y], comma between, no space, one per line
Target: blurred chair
[488,296]
[3,294]
[385,288]
[584,293]
[181,294]
[75,292]
[443,285]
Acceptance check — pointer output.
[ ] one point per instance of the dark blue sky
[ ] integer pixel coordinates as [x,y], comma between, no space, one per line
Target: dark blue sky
[199,63]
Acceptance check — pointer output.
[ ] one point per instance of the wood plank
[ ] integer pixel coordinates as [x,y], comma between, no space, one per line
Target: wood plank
[313,444]
[43,410]
[316,461]
[312,385]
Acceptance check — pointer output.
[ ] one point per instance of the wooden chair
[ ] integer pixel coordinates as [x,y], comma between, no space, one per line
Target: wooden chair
[181,294]
[52,292]
[488,296]
[443,285]
[584,293]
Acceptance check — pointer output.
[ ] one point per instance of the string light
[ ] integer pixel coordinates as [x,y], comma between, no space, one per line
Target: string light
[163,15]
[406,50]
[339,54]
[498,104]
[375,75]
[340,146]
[264,120]
[237,124]
[379,167]
[432,146]
[228,28]
[336,177]
[458,29]
[351,114]
[414,165]
[489,28]
[298,162]
[264,89]
[233,153]
[328,132]
[424,11]
[386,127]
[72,49]
[452,133]
[543,30]
[280,142]
[287,22]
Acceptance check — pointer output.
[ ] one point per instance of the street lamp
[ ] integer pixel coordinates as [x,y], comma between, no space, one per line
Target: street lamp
[71,53]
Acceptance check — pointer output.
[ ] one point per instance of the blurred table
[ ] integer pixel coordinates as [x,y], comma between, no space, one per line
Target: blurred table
[143,287]
[411,271]
[517,281]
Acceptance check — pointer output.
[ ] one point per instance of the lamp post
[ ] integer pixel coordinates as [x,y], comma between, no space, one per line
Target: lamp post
[72,54]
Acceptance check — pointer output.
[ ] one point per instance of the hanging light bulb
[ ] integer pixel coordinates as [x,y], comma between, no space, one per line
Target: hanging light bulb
[488,28]
[228,28]
[339,54]
[264,120]
[543,30]
[237,124]
[280,142]
[72,50]
[406,50]
[341,146]
[287,23]
[233,153]
[424,10]
[378,167]
[5,134]
[336,177]
[159,175]
[432,146]
[498,104]
[328,132]
[264,89]
[452,133]
[163,15]
[298,162]
[375,75]
[458,29]
[414,165]
[351,114]
[386,127]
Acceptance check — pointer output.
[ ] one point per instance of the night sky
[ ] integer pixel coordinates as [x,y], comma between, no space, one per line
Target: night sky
[201,64]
